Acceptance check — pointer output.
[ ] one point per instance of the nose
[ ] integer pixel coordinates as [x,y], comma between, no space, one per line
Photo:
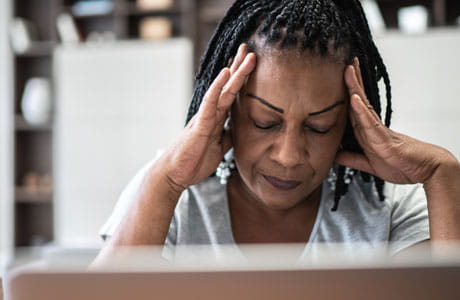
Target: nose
[289,149]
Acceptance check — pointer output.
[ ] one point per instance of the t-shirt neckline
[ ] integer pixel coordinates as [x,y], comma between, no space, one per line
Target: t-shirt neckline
[313,233]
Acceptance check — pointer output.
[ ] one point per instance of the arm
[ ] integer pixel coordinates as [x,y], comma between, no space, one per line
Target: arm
[148,219]
[194,155]
[400,159]
[443,193]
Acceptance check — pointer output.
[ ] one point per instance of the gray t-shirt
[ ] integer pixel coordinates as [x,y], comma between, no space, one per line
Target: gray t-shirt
[202,217]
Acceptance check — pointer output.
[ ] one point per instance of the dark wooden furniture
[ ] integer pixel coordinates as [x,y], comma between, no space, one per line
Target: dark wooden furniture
[33,144]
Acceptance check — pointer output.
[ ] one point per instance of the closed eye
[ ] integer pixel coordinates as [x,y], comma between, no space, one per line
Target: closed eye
[315,130]
[265,127]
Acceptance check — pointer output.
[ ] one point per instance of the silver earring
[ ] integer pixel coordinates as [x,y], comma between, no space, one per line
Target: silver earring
[347,177]
[224,169]
[332,178]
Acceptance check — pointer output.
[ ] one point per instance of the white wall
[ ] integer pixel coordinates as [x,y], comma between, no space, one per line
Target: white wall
[116,105]
[425,75]
[424,70]
[6,138]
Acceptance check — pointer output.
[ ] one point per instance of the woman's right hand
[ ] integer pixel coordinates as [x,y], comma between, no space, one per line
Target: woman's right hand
[199,149]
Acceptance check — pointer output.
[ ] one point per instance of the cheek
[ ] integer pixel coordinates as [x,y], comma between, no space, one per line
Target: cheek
[246,141]
[324,148]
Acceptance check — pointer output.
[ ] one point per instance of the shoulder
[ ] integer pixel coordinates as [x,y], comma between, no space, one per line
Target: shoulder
[208,187]
[201,215]
[202,199]
[362,216]
[209,191]
[396,195]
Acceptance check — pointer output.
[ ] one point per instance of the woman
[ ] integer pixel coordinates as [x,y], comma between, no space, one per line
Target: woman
[291,88]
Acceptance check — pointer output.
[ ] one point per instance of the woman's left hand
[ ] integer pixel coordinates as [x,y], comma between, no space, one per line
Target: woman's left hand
[389,155]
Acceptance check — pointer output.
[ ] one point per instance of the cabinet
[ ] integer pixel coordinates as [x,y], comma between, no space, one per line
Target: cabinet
[33,144]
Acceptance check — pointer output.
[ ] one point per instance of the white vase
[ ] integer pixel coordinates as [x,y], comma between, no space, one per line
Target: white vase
[36,101]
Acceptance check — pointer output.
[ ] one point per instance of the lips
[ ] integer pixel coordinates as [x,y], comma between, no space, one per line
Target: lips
[282,184]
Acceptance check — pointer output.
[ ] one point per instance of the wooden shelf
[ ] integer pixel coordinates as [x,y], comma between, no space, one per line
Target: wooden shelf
[33,143]
[131,9]
[26,195]
[211,15]
[100,11]
[22,125]
[94,16]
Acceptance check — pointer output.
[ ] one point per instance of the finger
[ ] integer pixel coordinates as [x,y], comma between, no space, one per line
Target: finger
[355,86]
[357,71]
[367,127]
[357,67]
[352,82]
[354,161]
[233,86]
[220,126]
[192,121]
[238,60]
[208,106]
[231,90]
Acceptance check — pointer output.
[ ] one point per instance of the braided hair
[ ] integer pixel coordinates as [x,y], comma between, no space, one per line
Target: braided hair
[326,26]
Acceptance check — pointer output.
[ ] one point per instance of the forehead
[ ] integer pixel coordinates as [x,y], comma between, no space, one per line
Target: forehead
[302,79]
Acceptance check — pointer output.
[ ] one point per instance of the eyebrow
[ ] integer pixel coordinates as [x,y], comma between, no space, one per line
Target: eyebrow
[266,103]
[280,110]
[340,102]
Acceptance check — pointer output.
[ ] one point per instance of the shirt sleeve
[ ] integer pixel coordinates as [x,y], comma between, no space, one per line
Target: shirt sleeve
[409,217]
[169,246]
[124,202]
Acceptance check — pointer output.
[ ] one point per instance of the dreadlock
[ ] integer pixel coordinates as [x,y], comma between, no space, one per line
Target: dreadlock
[326,26]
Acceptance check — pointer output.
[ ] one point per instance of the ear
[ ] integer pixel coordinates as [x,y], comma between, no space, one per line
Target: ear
[228,122]
[227,140]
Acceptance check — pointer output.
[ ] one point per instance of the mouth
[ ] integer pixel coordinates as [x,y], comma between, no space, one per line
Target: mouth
[284,185]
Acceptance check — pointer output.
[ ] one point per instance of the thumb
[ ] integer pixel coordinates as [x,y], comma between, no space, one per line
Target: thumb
[354,161]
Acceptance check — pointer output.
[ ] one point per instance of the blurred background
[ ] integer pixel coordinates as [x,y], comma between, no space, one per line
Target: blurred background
[91,90]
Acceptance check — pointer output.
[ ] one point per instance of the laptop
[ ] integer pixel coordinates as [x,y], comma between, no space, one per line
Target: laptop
[271,280]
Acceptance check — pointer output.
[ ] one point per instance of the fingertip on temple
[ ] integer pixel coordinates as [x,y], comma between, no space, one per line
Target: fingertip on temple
[356,102]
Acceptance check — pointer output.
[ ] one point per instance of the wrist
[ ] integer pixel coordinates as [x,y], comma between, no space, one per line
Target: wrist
[159,173]
[445,174]
[442,190]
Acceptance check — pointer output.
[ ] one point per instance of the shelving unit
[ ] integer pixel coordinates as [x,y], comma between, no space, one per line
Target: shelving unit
[195,19]
[32,143]
[441,12]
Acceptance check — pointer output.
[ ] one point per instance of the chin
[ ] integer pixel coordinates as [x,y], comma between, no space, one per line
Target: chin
[279,202]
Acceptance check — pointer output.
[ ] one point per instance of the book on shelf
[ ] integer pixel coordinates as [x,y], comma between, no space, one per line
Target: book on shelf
[154,28]
[92,7]
[154,4]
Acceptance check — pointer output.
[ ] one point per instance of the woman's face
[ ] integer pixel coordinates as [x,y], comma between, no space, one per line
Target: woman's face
[287,124]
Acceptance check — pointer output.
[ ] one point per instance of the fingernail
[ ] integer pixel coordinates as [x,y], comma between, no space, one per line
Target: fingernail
[360,99]
[357,106]
[240,49]
[355,73]
[223,71]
